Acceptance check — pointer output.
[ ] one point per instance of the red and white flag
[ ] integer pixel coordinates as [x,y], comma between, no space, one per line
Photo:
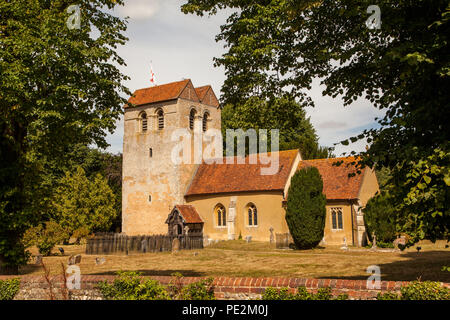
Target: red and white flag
[152,76]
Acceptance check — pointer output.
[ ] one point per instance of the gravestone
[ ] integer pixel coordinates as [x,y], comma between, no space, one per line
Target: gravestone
[344,246]
[374,241]
[175,245]
[74,259]
[144,245]
[39,259]
[399,241]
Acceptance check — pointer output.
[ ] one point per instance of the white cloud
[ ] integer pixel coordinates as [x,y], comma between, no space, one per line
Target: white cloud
[140,9]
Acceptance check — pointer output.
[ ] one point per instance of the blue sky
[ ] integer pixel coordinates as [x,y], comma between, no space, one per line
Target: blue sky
[183,46]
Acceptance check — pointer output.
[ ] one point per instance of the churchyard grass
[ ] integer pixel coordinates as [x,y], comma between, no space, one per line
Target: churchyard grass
[257,259]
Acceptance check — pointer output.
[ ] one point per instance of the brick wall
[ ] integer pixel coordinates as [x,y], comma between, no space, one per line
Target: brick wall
[35,287]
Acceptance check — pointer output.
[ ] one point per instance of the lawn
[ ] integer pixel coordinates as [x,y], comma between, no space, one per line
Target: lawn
[260,259]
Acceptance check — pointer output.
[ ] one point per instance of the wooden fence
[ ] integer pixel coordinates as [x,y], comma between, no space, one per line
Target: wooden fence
[115,243]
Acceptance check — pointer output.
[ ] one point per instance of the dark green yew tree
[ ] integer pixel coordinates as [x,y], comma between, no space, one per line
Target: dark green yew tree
[305,212]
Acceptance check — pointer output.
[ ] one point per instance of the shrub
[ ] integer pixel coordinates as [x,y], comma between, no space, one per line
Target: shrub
[301,294]
[200,290]
[9,288]
[81,233]
[45,237]
[426,290]
[129,286]
[418,290]
[305,212]
[388,296]
[82,202]
[378,218]
[277,294]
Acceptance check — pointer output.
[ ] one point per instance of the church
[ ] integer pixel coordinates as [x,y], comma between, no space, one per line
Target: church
[220,200]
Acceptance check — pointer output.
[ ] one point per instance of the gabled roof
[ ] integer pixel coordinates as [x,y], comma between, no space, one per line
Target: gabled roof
[225,178]
[201,92]
[207,96]
[165,92]
[337,185]
[189,214]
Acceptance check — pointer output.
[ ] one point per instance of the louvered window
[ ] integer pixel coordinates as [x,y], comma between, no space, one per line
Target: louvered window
[144,122]
[192,119]
[160,119]
[205,121]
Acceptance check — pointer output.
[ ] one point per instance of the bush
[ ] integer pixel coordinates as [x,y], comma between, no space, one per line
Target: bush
[81,233]
[45,238]
[82,202]
[305,212]
[301,294]
[201,290]
[378,218]
[418,290]
[129,286]
[9,288]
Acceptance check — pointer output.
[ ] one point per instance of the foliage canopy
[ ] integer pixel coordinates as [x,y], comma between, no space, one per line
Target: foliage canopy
[403,68]
[59,86]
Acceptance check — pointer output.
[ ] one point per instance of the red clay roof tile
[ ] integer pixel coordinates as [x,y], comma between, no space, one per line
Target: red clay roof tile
[189,214]
[201,91]
[337,185]
[223,178]
[160,93]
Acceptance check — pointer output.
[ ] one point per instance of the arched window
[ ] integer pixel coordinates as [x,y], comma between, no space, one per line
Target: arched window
[336,219]
[160,116]
[205,121]
[192,119]
[221,215]
[144,123]
[252,215]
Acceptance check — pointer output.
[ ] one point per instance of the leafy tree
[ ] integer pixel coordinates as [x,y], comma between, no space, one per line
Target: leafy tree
[95,161]
[59,86]
[296,130]
[45,237]
[402,68]
[82,203]
[305,212]
[379,218]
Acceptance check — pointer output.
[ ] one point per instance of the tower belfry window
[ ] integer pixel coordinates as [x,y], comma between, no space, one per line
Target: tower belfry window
[160,115]
[144,122]
[205,121]
[192,119]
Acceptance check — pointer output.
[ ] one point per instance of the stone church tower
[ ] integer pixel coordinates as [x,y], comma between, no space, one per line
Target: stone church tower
[152,183]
